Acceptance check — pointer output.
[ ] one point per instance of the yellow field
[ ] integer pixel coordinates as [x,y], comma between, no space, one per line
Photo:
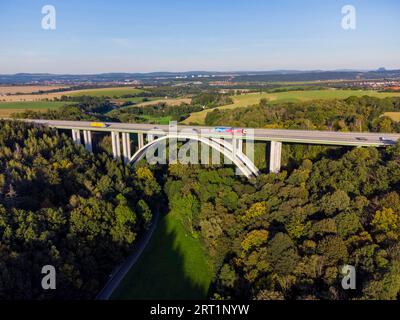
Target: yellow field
[250,99]
[27,89]
[27,95]
[102,92]
[168,102]
[395,116]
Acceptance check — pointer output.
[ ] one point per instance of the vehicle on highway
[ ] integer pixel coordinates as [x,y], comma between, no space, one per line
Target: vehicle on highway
[98,124]
[230,130]
[361,139]
[384,139]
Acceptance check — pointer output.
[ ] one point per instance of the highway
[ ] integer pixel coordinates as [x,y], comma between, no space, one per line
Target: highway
[280,135]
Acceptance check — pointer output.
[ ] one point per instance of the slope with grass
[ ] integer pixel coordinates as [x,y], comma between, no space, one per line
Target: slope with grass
[173,266]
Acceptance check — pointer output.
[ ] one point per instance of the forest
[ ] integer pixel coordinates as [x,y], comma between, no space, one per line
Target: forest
[351,114]
[280,236]
[287,236]
[62,206]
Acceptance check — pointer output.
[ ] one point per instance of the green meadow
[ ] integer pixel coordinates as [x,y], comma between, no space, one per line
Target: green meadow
[172,266]
[8,108]
[106,92]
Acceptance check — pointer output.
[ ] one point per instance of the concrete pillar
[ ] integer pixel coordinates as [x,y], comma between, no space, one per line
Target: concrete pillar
[76,136]
[234,147]
[87,138]
[140,140]
[275,153]
[150,137]
[240,145]
[116,144]
[126,147]
[113,144]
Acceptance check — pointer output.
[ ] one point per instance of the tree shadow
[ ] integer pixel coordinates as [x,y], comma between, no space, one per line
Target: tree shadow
[160,272]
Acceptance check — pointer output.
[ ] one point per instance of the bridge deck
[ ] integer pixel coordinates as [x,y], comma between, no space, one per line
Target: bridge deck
[290,136]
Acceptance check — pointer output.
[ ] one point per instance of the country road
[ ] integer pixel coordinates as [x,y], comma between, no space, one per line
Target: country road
[120,272]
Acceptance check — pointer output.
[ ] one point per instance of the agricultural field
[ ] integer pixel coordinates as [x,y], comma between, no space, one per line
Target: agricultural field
[105,92]
[27,96]
[168,102]
[8,108]
[246,100]
[6,90]
[135,100]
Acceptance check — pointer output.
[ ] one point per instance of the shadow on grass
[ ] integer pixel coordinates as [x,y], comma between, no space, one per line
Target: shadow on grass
[172,266]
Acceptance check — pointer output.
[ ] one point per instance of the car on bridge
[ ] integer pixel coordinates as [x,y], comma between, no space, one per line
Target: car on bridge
[384,139]
[230,130]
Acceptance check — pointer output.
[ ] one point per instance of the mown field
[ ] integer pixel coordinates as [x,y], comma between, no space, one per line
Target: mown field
[169,102]
[246,100]
[172,266]
[105,92]
[27,96]
[4,90]
[146,101]
[395,116]
[7,108]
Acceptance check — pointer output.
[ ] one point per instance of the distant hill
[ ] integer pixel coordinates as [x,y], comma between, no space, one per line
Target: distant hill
[239,76]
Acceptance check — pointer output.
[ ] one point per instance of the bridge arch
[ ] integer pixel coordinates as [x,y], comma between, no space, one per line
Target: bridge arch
[240,160]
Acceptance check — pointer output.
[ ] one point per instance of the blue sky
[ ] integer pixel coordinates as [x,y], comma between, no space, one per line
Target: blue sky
[95,36]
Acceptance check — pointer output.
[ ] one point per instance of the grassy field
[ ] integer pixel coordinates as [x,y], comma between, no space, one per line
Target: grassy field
[246,100]
[395,116]
[168,102]
[173,266]
[105,92]
[7,108]
[157,120]
[134,100]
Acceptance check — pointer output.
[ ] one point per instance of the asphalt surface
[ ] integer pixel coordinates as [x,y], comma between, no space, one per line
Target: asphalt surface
[291,136]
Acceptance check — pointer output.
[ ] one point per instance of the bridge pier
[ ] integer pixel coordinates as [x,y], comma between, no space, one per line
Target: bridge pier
[76,136]
[87,138]
[275,154]
[140,140]
[116,144]
[240,145]
[126,147]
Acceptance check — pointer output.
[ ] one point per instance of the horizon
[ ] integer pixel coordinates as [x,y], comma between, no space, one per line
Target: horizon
[277,71]
[228,36]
